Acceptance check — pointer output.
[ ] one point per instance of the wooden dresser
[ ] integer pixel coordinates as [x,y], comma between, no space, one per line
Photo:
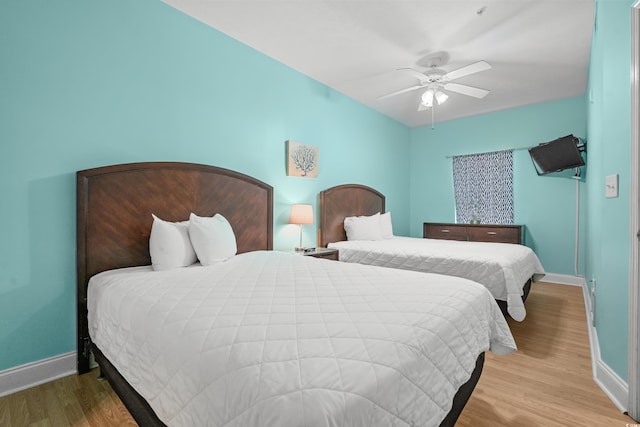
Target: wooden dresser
[474,232]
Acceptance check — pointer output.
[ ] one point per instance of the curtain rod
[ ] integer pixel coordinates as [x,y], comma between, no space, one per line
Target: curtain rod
[485,152]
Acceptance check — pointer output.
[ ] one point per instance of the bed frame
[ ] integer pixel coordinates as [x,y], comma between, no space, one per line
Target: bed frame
[114,207]
[342,201]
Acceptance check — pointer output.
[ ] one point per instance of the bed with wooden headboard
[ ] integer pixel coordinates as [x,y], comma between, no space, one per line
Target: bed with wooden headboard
[114,218]
[114,207]
[342,201]
[505,269]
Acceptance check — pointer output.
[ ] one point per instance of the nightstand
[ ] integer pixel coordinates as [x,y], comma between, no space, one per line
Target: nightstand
[325,253]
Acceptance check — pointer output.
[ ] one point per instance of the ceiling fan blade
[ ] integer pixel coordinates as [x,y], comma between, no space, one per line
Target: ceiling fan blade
[409,89]
[466,90]
[476,67]
[415,73]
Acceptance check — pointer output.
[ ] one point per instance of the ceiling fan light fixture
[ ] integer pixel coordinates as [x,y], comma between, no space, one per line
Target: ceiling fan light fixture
[441,97]
[427,98]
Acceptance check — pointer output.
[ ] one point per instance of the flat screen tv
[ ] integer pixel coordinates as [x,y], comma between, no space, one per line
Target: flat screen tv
[557,155]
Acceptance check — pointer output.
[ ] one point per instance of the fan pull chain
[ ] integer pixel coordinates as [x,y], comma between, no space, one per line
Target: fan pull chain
[433,113]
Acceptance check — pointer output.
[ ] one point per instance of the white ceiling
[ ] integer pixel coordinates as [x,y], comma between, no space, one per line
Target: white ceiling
[538,49]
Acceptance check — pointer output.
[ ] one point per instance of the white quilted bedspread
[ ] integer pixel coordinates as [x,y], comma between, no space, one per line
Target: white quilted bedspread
[502,268]
[278,339]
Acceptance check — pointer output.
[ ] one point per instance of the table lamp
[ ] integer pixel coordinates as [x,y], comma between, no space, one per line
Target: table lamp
[301,214]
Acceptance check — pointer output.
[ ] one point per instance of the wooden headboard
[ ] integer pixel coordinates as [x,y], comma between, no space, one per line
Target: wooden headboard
[342,201]
[114,207]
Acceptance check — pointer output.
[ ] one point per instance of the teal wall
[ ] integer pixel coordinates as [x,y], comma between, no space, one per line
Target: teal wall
[608,237]
[91,83]
[544,204]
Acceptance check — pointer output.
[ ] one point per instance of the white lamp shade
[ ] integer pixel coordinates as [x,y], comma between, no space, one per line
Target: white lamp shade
[301,214]
[441,97]
[427,98]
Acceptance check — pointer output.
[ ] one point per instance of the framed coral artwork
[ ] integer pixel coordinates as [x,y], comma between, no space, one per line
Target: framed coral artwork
[302,160]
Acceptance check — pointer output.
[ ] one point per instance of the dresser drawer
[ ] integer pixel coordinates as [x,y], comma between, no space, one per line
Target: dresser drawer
[445,231]
[494,234]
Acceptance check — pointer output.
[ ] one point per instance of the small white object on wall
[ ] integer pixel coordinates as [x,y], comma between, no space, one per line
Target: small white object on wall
[611,183]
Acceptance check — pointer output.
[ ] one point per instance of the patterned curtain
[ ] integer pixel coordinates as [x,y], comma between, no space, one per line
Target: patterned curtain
[483,185]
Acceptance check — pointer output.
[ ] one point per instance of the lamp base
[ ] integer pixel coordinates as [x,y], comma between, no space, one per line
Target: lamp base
[299,249]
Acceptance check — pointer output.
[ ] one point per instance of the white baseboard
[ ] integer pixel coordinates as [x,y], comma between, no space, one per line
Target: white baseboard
[613,386]
[616,389]
[563,279]
[32,374]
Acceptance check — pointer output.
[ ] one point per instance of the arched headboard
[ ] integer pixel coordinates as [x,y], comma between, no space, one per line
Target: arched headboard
[342,201]
[114,207]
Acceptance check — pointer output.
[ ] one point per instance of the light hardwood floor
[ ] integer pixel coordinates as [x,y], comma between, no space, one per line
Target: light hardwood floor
[546,383]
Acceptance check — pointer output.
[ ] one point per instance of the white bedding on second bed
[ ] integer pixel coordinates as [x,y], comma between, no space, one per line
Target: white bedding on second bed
[270,338]
[502,268]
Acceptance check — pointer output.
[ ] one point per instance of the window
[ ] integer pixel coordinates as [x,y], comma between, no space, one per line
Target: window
[483,186]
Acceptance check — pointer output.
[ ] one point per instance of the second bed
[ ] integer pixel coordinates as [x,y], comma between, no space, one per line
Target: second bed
[507,270]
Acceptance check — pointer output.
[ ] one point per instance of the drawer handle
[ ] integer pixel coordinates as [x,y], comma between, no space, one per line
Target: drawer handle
[445,231]
[491,233]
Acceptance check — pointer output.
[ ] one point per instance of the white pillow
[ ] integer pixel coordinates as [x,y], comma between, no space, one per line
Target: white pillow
[169,245]
[212,238]
[386,228]
[363,227]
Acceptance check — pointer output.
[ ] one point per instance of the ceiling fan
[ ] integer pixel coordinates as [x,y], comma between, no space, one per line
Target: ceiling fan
[436,80]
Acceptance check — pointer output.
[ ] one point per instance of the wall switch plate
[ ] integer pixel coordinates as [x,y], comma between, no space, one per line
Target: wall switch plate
[611,183]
